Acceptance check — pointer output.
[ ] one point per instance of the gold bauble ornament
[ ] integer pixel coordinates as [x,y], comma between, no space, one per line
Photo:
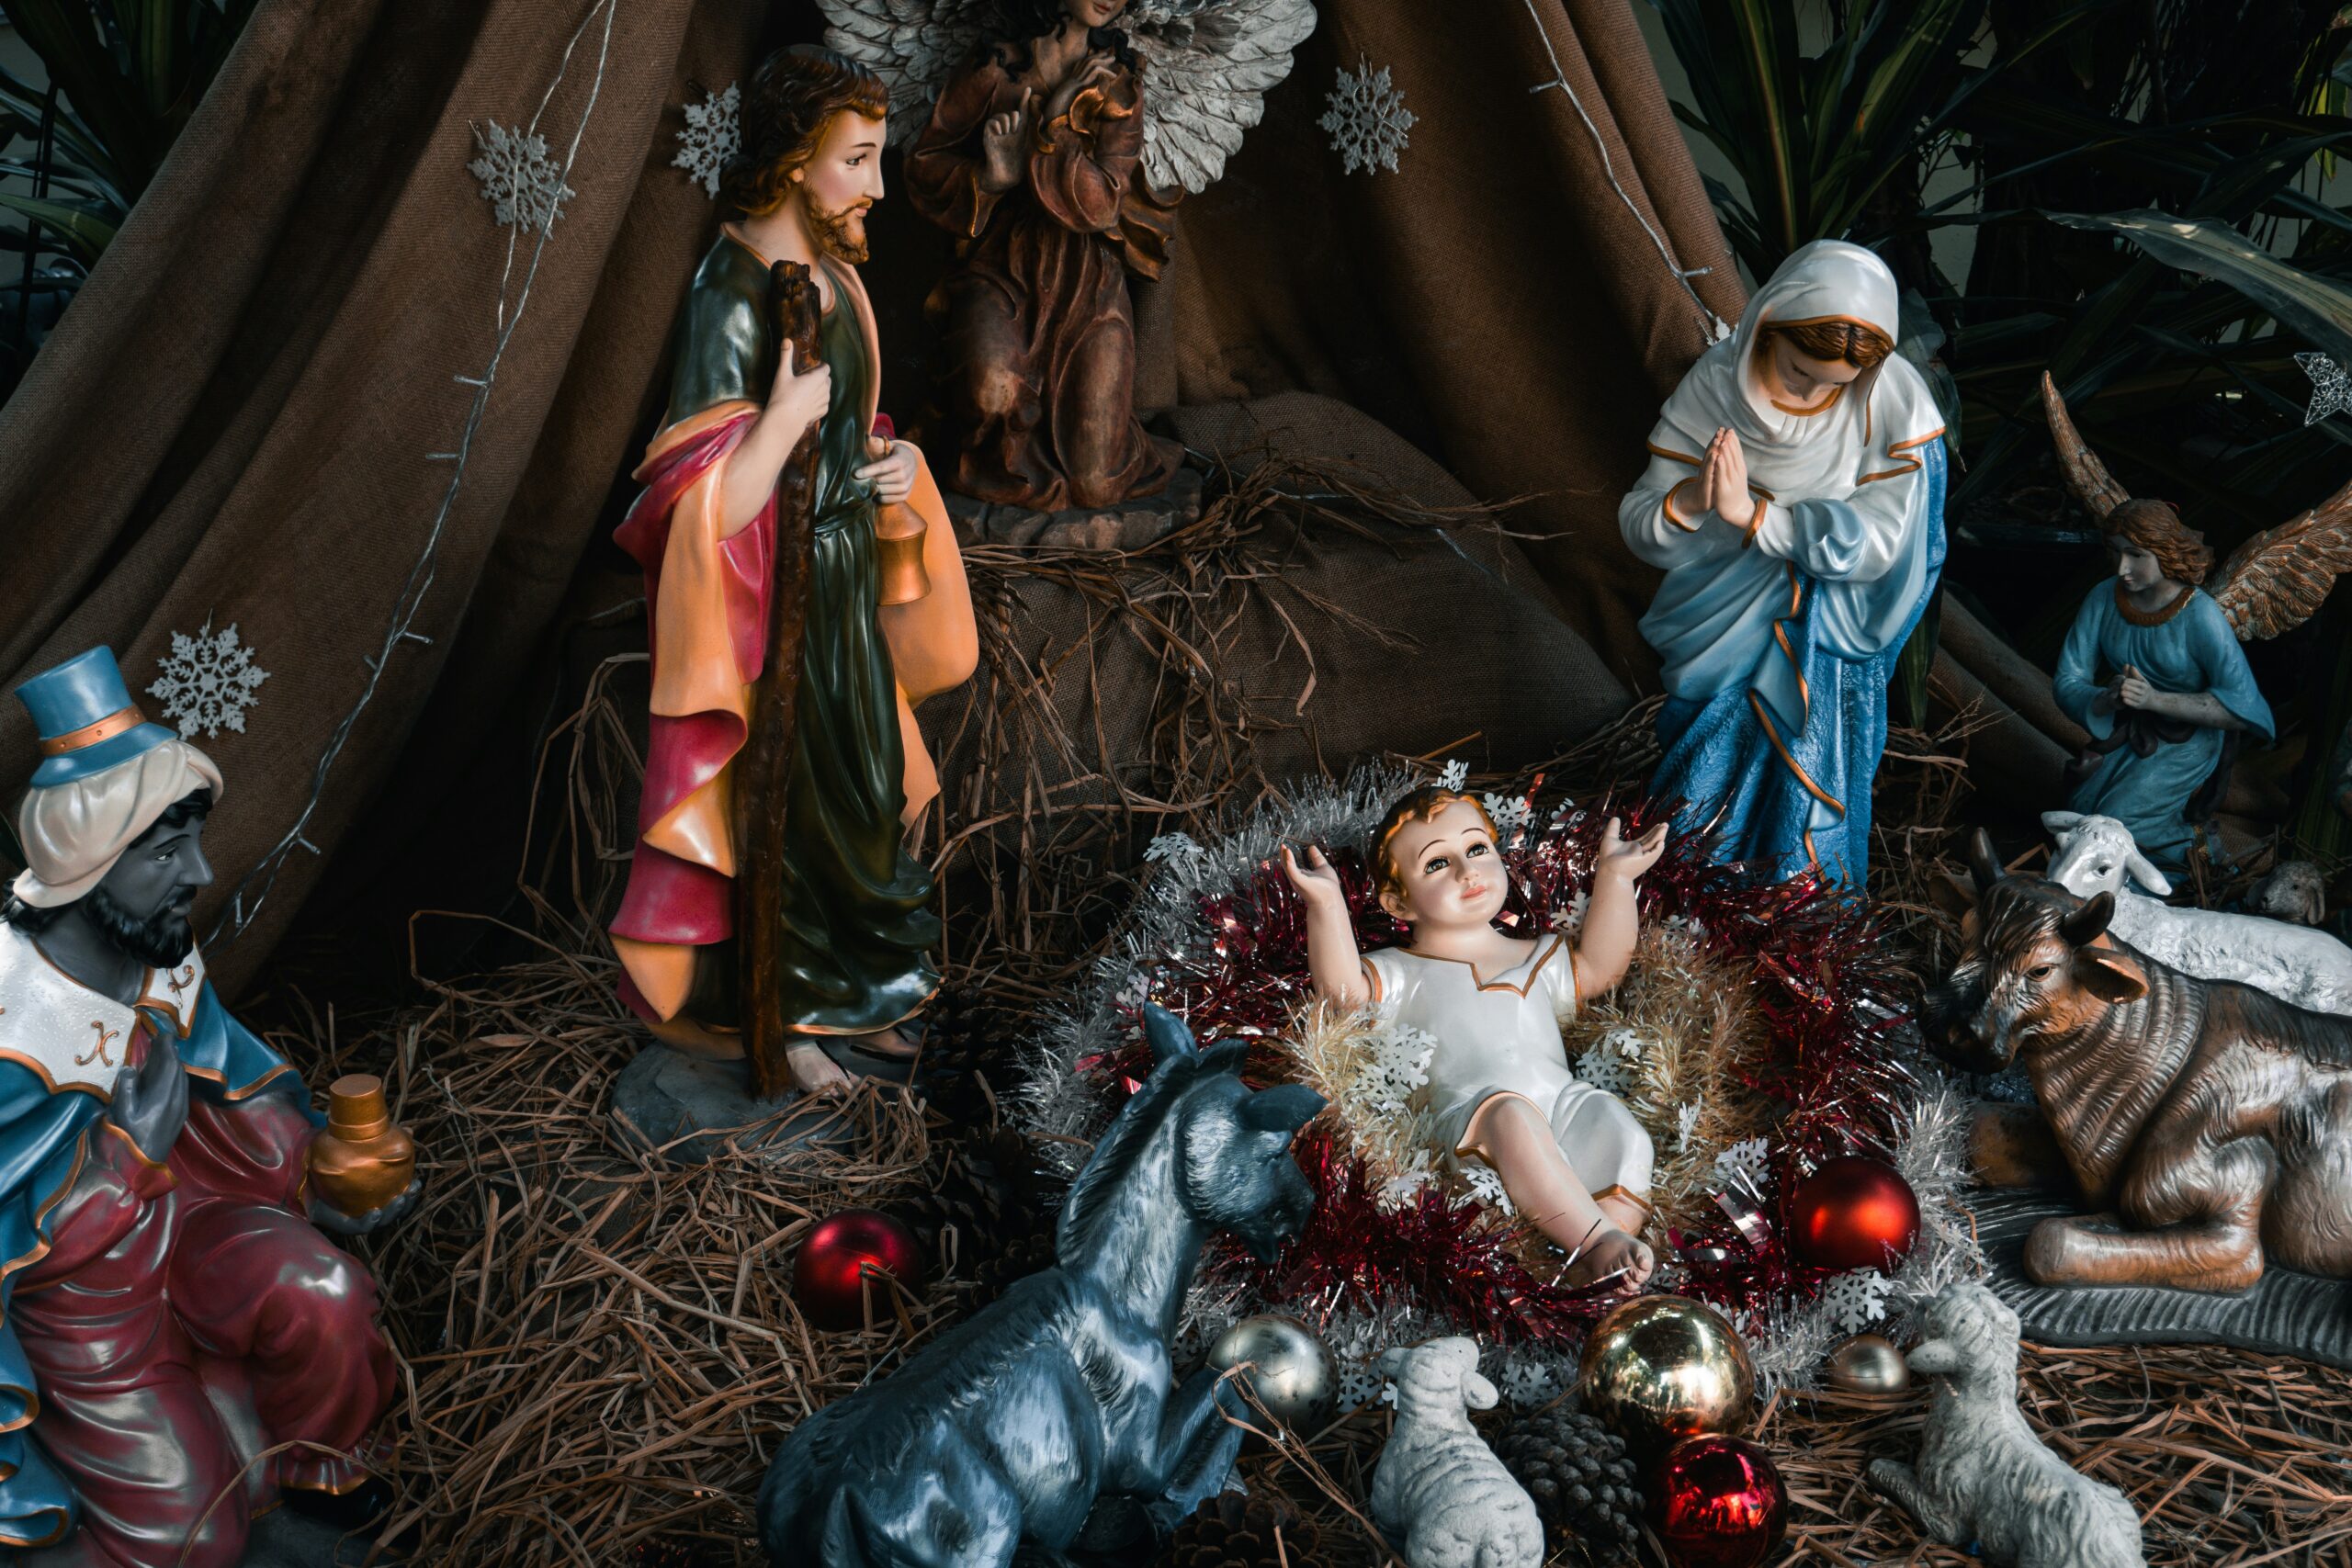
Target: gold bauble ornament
[1868,1363]
[1293,1376]
[1660,1369]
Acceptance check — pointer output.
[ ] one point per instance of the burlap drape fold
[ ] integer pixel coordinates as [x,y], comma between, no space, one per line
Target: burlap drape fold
[236,421]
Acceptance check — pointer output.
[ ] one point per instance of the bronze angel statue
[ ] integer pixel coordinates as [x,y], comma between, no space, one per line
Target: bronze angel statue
[1053,138]
[2153,668]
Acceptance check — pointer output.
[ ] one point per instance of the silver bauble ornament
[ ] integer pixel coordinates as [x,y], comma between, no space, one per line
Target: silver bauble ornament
[1868,1363]
[1293,1376]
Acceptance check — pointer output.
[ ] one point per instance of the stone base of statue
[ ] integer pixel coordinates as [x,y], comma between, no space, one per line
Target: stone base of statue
[1128,525]
[2285,1314]
[691,1107]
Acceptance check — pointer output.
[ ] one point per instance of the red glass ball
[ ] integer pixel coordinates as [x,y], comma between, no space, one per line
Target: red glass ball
[1720,1504]
[829,1277]
[1853,1213]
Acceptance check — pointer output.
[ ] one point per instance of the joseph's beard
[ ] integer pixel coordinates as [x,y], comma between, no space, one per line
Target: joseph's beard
[159,940]
[840,234]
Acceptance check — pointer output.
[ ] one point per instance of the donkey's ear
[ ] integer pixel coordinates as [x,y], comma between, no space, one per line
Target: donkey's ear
[1478,1393]
[1166,1035]
[1392,1360]
[1984,866]
[2059,821]
[2109,976]
[1284,1109]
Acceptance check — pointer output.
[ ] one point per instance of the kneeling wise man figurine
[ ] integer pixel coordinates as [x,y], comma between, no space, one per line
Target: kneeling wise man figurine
[169,1310]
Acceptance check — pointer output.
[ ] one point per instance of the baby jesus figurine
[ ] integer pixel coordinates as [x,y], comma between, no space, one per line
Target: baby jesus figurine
[1572,1158]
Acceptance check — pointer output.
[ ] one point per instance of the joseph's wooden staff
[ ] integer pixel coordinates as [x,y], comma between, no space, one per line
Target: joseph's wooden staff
[763,773]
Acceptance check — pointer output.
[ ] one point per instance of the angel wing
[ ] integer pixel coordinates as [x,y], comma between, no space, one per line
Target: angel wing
[2092,484]
[911,44]
[2274,580]
[2277,578]
[1208,66]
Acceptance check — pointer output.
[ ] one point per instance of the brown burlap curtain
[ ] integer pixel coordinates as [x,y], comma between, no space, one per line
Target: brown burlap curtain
[247,417]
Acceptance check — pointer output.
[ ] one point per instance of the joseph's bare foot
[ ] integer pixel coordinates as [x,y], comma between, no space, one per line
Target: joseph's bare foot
[814,1071]
[888,1042]
[1613,1255]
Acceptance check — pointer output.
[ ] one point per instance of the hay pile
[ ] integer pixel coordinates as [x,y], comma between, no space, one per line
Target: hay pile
[601,1348]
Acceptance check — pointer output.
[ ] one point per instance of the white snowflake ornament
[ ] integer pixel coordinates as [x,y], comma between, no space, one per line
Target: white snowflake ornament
[1509,812]
[1686,1122]
[1857,1300]
[1485,1187]
[1172,848]
[208,681]
[1528,1378]
[1455,774]
[714,134]
[1400,1064]
[1743,1164]
[1367,119]
[522,184]
[1612,1064]
[2331,390]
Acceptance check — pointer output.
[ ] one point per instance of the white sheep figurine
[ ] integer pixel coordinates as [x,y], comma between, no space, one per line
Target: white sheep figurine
[1439,1489]
[1982,1476]
[2306,967]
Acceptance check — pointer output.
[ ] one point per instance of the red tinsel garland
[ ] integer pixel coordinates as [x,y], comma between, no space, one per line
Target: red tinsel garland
[1827,991]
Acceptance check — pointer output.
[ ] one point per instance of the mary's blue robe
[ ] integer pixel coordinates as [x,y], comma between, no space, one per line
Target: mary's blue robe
[1776,712]
[2189,647]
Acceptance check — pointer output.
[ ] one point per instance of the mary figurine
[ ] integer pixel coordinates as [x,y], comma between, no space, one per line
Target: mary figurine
[1794,499]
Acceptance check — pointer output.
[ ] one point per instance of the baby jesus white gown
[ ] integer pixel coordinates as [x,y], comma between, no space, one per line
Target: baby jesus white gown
[1502,1036]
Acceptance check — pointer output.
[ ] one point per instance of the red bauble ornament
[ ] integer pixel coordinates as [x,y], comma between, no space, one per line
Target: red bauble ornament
[1719,1504]
[829,1277]
[1853,1213]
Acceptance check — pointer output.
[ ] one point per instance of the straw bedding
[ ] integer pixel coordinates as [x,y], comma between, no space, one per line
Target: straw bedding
[600,1345]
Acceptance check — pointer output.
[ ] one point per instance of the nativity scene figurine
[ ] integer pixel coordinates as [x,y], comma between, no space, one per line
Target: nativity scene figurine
[182,1344]
[805,591]
[1794,499]
[1053,138]
[2153,668]
[1570,1157]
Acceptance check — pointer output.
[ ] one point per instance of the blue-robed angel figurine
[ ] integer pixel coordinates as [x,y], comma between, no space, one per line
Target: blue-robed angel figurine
[1794,497]
[2153,667]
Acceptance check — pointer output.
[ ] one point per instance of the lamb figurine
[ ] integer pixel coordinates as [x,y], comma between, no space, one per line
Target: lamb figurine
[1439,1489]
[2096,854]
[1983,1475]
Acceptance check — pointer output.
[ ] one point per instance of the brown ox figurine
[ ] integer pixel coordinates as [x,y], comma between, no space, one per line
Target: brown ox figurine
[2210,1121]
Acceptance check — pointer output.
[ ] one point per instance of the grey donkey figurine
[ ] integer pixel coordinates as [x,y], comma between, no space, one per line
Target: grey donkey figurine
[1005,1432]
[1982,1476]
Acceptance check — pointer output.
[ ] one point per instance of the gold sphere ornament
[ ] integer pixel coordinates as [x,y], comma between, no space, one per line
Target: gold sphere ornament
[1292,1376]
[1868,1363]
[1660,1369]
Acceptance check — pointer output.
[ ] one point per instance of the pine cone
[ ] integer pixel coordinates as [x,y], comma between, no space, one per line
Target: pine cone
[1583,1483]
[1231,1531]
[969,1048]
[1001,1199]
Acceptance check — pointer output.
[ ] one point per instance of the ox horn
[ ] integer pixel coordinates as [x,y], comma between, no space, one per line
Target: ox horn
[1982,863]
[2082,927]
[1284,1109]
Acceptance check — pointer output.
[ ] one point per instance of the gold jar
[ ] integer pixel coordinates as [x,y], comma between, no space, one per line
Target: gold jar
[359,1161]
[899,532]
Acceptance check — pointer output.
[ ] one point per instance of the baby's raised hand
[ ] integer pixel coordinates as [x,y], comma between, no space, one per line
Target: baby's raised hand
[1316,882]
[1618,858]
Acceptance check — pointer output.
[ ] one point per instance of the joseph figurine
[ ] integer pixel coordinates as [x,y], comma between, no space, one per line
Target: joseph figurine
[854,920]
